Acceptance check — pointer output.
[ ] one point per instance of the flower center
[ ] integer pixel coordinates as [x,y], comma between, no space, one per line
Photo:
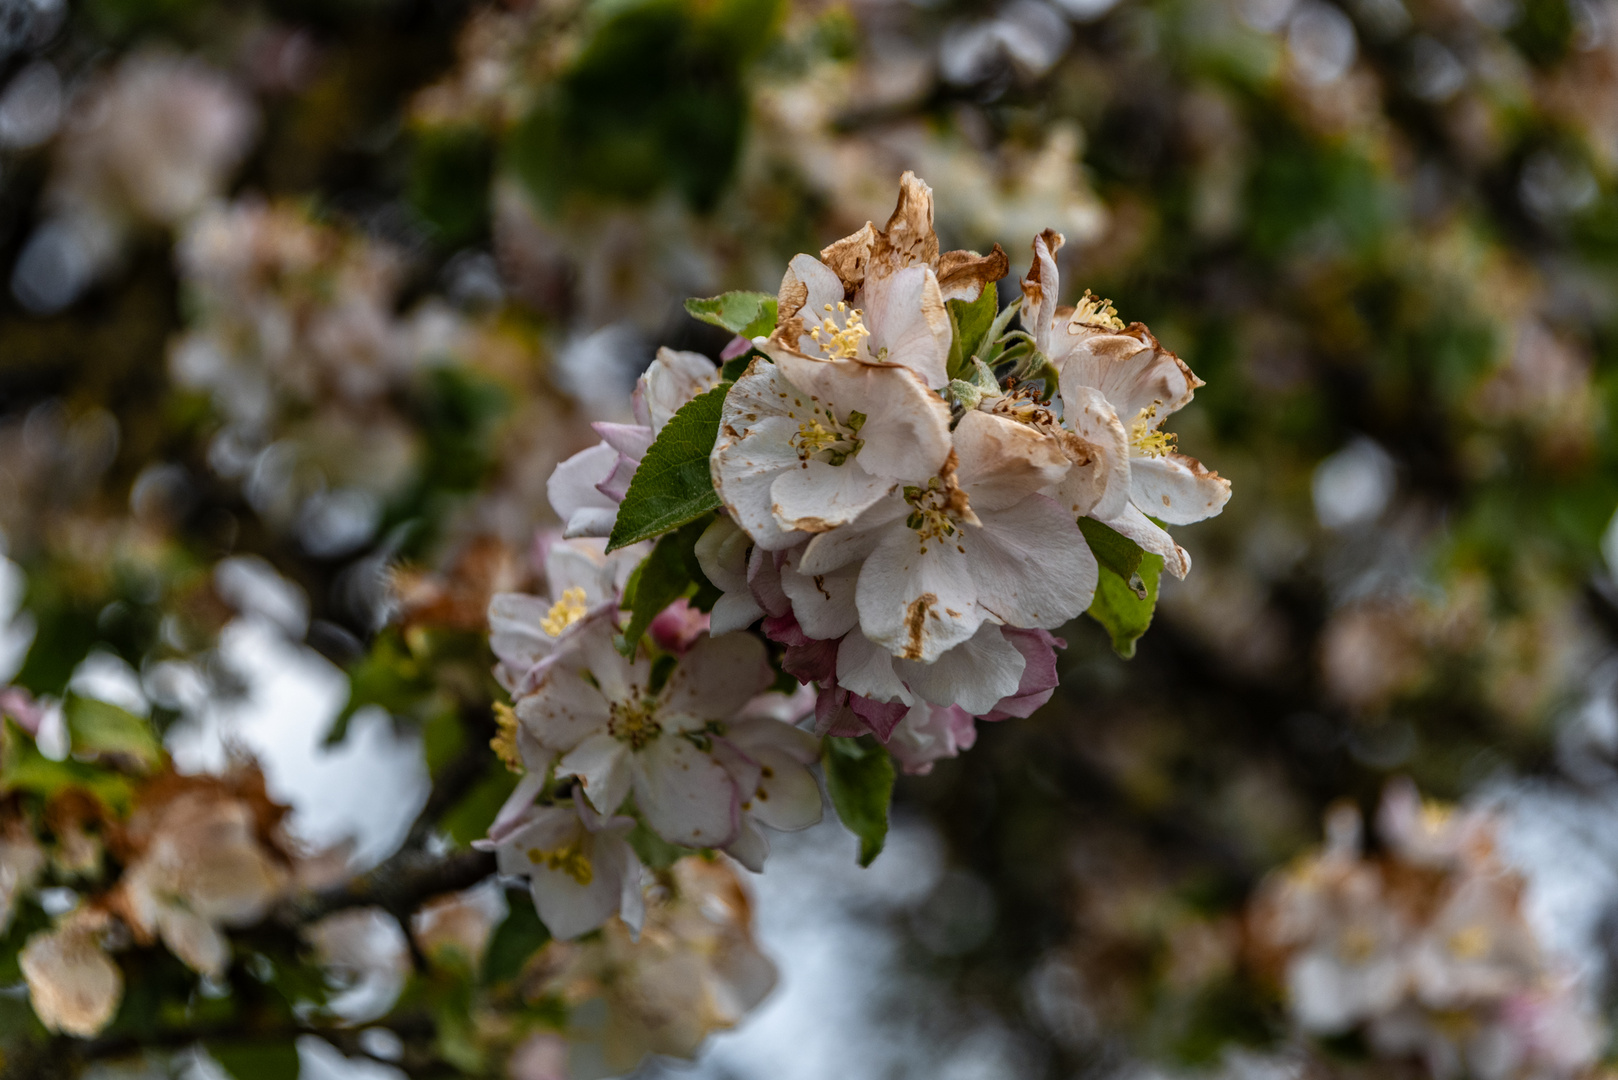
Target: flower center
[1143,440]
[1470,942]
[937,510]
[1022,405]
[1095,311]
[633,722]
[570,860]
[825,437]
[841,342]
[565,612]
[504,744]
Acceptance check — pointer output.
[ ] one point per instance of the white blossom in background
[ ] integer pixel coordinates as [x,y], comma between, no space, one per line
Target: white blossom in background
[73,985]
[1425,949]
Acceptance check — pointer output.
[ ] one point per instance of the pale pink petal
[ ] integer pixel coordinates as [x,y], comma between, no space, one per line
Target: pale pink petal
[675,378]
[908,322]
[616,485]
[1138,527]
[917,600]
[1031,565]
[1176,489]
[823,603]
[714,680]
[787,797]
[1000,460]
[572,491]
[1039,677]
[975,674]
[1101,487]
[688,797]
[930,733]
[564,710]
[630,440]
[514,630]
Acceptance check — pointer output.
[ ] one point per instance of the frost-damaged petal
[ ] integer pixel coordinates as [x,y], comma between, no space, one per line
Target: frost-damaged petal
[818,496]
[908,238]
[866,668]
[745,468]
[1031,565]
[688,797]
[823,603]
[963,274]
[1177,489]
[564,710]
[850,257]
[716,678]
[1129,369]
[603,767]
[1001,461]
[917,602]
[1041,290]
[807,288]
[908,322]
[1137,527]
[906,429]
[1101,488]
[572,490]
[975,674]
[675,378]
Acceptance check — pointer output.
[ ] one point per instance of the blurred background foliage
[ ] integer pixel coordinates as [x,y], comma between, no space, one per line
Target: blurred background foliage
[306,300]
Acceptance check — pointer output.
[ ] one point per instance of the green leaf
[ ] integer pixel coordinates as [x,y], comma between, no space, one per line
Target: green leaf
[101,729]
[859,779]
[664,576]
[989,350]
[673,484]
[469,819]
[1111,548]
[746,314]
[1125,605]
[516,939]
[970,320]
[24,769]
[256,1060]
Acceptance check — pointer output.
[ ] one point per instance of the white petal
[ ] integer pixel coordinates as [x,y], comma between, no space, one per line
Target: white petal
[1137,527]
[564,710]
[1042,290]
[601,763]
[915,600]
[1177,489]
[1031,564]
[806,288]
[722,554]
[1101,488]
[754,736]
[975,674]
[545,828]
[906,429]
[573,494]
[823,603]
[630,440]
[569,908]
[745,469]
[715,679]
[1000,460]
[688,797]
[787,797]
[853,543]
[751,847]
[514,630]
[866,668]
[579,564]
[818,496]
[906,316]
[1131,373]
[196,941]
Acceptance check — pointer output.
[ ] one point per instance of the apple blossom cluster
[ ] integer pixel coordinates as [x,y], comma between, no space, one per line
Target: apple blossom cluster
[1424,949]
[904,497]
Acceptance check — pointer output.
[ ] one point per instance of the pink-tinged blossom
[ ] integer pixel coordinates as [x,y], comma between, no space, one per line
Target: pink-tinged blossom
[580,868]
[616,733]
[585,490]
[678,627]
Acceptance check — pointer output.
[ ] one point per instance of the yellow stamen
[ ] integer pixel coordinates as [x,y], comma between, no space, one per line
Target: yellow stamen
[565,612]
[633,723]
[570,860]
[1470,942]
[504,744]
[841,342]
[1098,312]
[1146,442]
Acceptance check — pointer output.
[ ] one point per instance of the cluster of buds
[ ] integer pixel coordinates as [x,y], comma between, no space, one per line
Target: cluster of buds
[1423,949]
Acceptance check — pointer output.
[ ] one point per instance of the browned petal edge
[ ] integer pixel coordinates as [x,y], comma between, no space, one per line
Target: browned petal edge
[1198,469]
[789,301]
[908,238]
[1139,330]
[1034,285]
[850,257]
[963,274]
